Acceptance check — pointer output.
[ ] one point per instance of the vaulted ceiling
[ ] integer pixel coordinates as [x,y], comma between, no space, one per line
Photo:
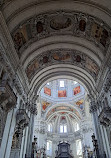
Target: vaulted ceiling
[59,38]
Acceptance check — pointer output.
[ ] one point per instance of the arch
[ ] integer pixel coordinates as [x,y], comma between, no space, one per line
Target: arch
[60,105]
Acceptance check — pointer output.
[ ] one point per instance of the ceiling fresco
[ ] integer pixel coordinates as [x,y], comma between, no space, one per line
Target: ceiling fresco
[80,104]
[45,104]
[77,90]
[61,56]
[61,110]
[49,24]
[47,91]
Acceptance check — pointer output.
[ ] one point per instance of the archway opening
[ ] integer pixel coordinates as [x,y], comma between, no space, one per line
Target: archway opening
[63,117]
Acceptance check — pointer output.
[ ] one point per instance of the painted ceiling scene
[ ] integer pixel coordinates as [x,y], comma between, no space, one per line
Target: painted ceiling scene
[55,78]
[63,97]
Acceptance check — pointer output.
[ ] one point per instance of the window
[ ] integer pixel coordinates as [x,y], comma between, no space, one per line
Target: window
[61,83]
[63,128]
[79,147]
[49,127]
[49,145]
[74,82]
[48,83]
[76,126]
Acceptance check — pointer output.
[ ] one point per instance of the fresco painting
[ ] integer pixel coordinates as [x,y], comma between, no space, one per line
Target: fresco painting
[79,103]
[93,67]
[62,93]
[61,56]
[100,34]
[32,68]
[47,91]
[41,62]
[77,90]
[60,22]
[22,35]
[45,104]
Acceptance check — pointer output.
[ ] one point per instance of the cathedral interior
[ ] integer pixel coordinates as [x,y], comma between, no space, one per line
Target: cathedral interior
[55,79]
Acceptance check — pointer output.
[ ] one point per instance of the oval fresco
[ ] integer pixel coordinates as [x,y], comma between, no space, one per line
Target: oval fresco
[60,22]
[61,56]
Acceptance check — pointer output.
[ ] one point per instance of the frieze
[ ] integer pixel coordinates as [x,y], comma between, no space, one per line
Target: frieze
[61,56]
[49,24]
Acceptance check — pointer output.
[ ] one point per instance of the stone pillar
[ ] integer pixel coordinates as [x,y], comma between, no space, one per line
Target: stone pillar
[8,133]
[29,137]
[24,143]
[94,109]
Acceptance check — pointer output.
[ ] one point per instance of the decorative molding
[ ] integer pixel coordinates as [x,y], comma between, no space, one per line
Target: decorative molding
[50,24]
[22,119]
[105,117]
[62,56]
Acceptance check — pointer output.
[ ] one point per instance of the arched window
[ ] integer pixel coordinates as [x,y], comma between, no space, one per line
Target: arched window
[50,127]
[49,148]
[61,83]
[79,147]
[76,126]
[63,128]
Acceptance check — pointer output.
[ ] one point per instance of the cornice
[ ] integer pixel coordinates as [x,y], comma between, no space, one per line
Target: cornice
[87,2]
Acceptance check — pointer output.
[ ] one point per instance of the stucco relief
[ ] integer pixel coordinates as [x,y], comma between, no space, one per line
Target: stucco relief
[75,24]
[59,57]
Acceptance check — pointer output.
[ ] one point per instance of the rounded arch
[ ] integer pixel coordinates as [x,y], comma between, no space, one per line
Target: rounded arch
[61,105]
[31,8]
[63,71]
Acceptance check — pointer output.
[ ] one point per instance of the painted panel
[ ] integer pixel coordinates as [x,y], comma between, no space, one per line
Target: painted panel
[45,104]
[62,93]
[79,103]
[47,91]
[77,90]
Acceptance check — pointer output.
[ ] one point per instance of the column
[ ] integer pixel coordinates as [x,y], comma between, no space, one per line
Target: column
[29,137]
[94,107]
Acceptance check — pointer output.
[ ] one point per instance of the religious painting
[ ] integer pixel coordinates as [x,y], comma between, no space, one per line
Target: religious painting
[100,34]
[32,68]
[22,35]
[61,56]
[93,67]
[39,27]
[82,25]
[77,90]
[79,103]
[62,93]
[47,91]
[45,104]
[60,22]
